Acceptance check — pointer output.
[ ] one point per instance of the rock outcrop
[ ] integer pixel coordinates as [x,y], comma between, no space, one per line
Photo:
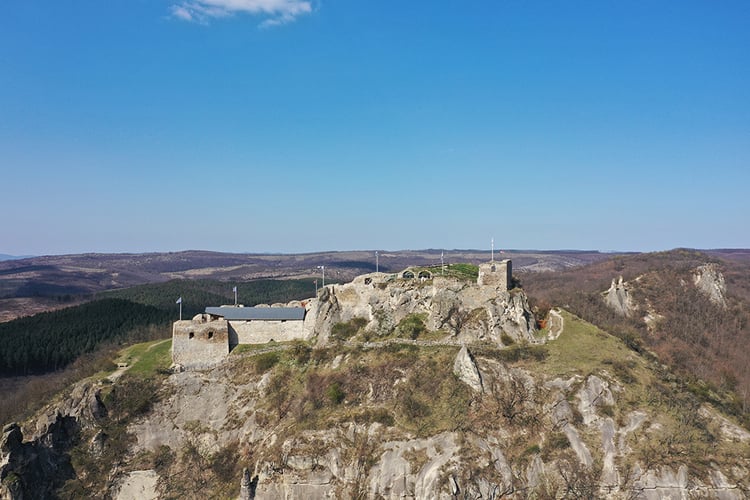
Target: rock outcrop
[466,370]
[36,467]
[710,281]
[465,311]
[618,297]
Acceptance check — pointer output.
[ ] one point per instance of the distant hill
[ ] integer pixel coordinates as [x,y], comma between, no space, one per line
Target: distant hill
[36,284]
[197,294]
[5,256]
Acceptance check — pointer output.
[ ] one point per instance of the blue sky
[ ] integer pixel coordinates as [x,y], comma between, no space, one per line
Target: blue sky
[293,126]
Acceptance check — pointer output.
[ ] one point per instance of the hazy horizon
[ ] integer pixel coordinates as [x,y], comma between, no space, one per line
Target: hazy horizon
[267,127]
[498,253]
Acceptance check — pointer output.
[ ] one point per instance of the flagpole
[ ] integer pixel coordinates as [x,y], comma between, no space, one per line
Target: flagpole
[323,270]
[235,296]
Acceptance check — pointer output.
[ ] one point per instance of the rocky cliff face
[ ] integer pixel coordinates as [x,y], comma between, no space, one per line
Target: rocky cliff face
[36,467]
[710,281]
[619,298]
[502,416]
[521,433]
[431,422]
[463,310]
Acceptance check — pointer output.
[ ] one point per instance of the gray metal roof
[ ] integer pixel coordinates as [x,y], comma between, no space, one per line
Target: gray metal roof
[258,313]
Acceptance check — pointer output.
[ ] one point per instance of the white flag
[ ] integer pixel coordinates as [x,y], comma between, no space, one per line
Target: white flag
[234,289]
[179,301]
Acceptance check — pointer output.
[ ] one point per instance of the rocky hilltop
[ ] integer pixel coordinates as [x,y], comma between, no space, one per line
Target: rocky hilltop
[439,387]
[461,308]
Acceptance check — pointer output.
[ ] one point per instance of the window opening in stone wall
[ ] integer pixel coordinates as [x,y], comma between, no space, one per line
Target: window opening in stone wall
[210,335]
[191,335]
[492,269]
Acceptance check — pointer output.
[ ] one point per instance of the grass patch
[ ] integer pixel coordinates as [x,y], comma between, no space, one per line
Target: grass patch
[408,386]
[251,348]
[513,354]
[583,349]
[462,271]
[266,361]
[156,357]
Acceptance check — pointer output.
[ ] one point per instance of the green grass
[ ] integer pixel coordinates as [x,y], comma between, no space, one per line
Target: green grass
[583,349]
[460,271]
[466,271]
[151,357]
[253,348]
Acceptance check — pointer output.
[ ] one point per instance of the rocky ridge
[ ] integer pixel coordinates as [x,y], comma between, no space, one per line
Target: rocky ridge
[462,309]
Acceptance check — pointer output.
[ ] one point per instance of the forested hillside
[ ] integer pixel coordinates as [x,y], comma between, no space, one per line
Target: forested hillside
[197,294]
[50,341]
[705,342]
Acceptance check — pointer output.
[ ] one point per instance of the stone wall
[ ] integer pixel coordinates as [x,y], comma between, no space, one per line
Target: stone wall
[199,343]
[260,332]
[497,274]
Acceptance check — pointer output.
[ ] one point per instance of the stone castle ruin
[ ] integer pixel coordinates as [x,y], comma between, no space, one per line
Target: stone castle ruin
[486,310]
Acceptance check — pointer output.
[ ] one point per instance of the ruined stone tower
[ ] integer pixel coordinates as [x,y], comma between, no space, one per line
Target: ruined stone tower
[497,274]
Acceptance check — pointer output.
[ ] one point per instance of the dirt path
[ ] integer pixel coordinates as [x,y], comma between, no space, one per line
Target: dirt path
[556,324]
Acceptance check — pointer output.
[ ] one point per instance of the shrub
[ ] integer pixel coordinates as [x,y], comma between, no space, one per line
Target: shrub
[407,350]
[518,352]
[531,450]
[266,361]
[346,330]
[334,393]
[412,326]
[413,408]
[301,352]
[621,370]
[558,441]
[380,415]
[131,397]
[322,355]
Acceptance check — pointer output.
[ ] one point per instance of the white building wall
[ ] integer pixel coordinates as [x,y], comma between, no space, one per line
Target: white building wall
[260,332]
